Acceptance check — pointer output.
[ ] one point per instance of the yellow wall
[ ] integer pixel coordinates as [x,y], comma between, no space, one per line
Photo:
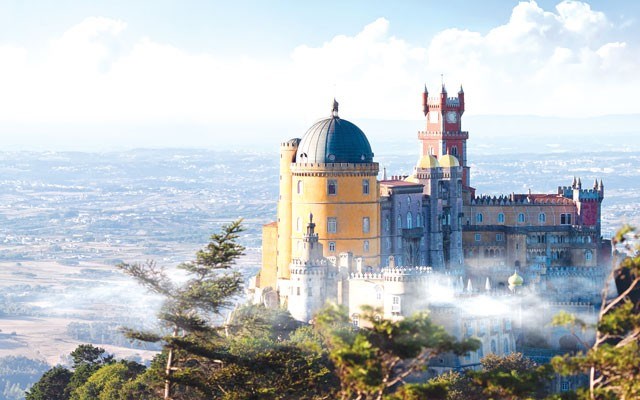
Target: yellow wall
[349,206]
[268,273]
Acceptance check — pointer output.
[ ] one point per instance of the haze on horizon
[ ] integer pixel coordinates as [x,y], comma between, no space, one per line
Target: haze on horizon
[91,75]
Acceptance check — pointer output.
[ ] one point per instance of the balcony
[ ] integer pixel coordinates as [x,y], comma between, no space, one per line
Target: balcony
[412,233]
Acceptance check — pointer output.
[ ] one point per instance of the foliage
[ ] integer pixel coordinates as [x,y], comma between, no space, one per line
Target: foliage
[107,382]
[51,386]
[87,359]
[371,361]
[511,377]
[613,362]
[190,308]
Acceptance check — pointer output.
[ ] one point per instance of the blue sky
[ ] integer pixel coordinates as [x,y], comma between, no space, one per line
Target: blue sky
[72,68]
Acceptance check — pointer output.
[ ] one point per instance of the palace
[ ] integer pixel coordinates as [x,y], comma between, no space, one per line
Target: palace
[343,235]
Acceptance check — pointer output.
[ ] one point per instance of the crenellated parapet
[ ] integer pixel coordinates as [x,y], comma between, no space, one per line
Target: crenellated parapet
[452,134]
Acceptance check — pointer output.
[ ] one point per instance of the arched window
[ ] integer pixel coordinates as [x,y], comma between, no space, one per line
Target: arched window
[494,347]
[479,218]
[366,225]
[399,224]
[454,151]
[300,187]
[409,220]
[299,224]
[365,186]
[588,255]
[387,224]
[521,217]
[542,218]
[506,346]
[501,218]
[419,221]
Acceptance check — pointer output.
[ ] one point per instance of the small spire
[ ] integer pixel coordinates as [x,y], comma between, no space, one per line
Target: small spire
[334,111]
[425,89]
[311,227]
[595,184]
[575,182]
[601,185]
[579,184]
[460,91]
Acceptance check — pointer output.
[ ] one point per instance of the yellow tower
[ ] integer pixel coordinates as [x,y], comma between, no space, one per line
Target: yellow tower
[283,253]
[334,178]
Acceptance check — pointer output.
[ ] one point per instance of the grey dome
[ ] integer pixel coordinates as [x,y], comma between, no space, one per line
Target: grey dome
[334,140]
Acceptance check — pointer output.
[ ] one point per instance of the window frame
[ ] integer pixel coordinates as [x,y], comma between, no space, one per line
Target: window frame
[366,225]
[332,225]
[332,187]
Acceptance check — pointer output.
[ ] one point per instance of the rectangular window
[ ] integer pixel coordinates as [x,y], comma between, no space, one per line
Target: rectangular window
[365,186]
[396,305]
[365,225]
[332,187]
[332,225]
[565,219]
[366,246]
[298,291]
[309,292]
[499,237]
[332,246]
[501,218]
[477,237]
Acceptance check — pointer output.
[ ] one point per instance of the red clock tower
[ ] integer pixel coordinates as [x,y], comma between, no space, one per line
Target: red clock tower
[443,134]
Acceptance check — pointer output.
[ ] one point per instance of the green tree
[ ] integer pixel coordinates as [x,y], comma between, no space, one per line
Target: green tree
[107,382]
[372,360]
[613,361]
[51,386]
[511,377]
[191,308]
[87,359]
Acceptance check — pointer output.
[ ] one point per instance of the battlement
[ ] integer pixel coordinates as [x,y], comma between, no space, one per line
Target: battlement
[523,199]
[453,101]
[574,271]
[456,134]
[318,169]
[291,143]
[322,262]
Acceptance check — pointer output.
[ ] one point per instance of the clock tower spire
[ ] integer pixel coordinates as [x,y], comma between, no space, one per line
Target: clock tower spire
[443,134]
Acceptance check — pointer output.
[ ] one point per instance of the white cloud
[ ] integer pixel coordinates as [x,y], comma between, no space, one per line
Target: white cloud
[569,61]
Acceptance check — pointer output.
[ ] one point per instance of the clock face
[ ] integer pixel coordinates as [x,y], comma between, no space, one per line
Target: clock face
[452,117]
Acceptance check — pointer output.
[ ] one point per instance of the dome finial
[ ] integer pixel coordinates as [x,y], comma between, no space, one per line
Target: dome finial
[334,112]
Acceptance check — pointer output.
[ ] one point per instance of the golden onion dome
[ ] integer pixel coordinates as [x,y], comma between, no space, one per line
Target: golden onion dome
[428,161]
[515,279]
[448,161]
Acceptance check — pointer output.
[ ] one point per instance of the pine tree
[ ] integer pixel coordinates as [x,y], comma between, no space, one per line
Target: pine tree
[191,309]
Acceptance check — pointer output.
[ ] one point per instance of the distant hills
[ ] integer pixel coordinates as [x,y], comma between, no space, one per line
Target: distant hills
[489,134]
